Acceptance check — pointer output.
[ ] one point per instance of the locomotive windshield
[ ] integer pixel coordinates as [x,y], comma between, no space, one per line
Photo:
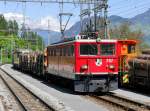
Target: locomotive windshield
[88,49]
[131,49]
[107,49]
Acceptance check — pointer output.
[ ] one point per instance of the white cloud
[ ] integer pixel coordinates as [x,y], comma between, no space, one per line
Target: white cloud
[43,23]
[14,16]
[35,24]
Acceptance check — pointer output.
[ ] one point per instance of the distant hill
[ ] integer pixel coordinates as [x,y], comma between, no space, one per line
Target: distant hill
[116,20]
[143,18]
[52,35]
[141,21]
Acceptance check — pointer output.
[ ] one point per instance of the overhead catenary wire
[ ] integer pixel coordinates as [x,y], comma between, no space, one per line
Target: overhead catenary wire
[117,12]
[132,10]
[55,1]
[121,5]
[114,3]
[126,11]
[136,10]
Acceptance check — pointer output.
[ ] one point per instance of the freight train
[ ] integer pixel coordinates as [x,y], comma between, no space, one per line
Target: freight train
[139,72]
[92,65]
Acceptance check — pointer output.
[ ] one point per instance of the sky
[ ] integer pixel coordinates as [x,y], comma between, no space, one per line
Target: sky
[37,14]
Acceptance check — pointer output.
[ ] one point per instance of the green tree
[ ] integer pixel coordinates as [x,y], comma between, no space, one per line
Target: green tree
[10,26]
[34,41]
[10,39]
[124,31]
[13,27]
[3,26]
[16,27]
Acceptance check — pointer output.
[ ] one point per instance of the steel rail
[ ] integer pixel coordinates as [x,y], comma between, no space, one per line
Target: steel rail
[23,104]
[122,102]
[17,99]
[130,100]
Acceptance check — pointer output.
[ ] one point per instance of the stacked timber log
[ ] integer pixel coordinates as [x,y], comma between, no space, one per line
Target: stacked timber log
[139,70]
[146,51]
[31,62]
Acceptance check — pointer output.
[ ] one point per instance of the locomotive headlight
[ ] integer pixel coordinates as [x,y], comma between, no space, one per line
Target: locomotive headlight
[84,67]
[111,67]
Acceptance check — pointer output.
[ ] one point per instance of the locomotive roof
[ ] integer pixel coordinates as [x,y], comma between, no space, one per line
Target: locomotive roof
[129,41]
[84,41]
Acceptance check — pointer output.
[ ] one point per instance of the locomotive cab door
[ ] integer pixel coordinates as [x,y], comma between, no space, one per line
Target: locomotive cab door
[128,51]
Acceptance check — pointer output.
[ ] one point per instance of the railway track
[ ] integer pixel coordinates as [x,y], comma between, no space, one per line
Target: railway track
[27,100]
[122,102]
[32,103]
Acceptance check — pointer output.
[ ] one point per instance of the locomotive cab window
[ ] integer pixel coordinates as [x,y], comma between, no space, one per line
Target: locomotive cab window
[131,49]
[60,51]
[88,49]
[107,49]
[71,50]
[64,51]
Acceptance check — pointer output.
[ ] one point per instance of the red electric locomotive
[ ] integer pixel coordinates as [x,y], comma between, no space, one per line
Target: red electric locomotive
[92,65]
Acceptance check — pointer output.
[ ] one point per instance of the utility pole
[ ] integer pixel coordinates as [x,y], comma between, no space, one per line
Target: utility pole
[1,55]
[36,41]
[48,32]
[100,9]
[95,18]
[81,24]
[101,5]
[85,13]
[105,18]
[61,15]
[11,46]
[64,25]
[89,17]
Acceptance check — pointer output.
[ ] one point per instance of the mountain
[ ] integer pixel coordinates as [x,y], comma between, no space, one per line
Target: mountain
[141,21]
[143,18]
[116,20]
[75,29]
